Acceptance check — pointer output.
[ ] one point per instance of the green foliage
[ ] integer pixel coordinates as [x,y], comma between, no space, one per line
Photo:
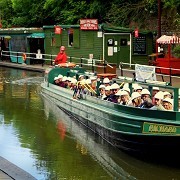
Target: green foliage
[176,51]
[126,13]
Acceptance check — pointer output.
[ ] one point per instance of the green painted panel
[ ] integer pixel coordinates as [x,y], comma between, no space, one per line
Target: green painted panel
[90,39]
[58,40]
[76,38]
[154,128]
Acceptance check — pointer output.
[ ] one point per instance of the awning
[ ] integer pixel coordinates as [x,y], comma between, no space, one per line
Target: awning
[36,35]
[168,40]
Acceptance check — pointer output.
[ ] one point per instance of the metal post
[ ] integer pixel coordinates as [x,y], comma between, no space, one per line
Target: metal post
[51,60]
[81,61]
[121,66]
[92,66]
[17,57]
[170,75]
[104,66]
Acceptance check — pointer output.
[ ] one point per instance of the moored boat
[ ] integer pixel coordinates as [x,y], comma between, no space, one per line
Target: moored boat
[136,130]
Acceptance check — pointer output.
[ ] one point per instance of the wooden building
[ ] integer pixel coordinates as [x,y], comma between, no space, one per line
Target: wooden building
[113,44]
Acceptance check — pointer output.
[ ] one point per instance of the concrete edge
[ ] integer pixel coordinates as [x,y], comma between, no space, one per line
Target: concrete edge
[22,66]
[14,171]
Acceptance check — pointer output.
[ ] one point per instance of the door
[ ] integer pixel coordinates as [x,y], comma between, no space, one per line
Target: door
[117,48]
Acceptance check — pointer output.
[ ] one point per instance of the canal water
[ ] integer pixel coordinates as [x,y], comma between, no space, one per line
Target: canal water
[49,144]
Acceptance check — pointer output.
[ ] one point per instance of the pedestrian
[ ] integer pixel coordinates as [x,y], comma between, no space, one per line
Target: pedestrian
[61,57]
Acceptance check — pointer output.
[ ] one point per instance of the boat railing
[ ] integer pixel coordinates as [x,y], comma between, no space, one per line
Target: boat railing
[163,72]
[149,84]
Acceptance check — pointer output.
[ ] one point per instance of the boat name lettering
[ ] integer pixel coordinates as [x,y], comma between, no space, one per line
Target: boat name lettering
[162,129]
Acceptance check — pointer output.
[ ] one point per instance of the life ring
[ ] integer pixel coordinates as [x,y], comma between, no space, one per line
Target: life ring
[24,57]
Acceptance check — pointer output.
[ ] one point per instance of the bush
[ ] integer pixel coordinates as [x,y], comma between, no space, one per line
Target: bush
[176,51]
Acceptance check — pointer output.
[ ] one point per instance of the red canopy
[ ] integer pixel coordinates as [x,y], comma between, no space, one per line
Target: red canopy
[168,40]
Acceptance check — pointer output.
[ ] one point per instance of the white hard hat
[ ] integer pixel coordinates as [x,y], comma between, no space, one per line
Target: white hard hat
[106,80]
[168,100]
[118,93]
[138,87]
[115,86]
[83,81]
[69,79]
[88,81]
[56,78]
[126,89]
[145,91]
[124,93]
[135,95]
[107,88]
[102,86]
[159,95]
[64,78]
[60,76]
[155,88]
[81,76]
[73,81]
[93,77]
[166,93]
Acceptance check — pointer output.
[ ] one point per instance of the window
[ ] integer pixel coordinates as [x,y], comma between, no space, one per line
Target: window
[70,37]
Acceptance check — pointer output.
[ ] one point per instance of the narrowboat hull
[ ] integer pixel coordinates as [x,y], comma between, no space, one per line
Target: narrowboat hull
[138,131]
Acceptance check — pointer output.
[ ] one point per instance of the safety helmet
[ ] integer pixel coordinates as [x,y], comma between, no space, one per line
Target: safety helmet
[145,91]
[102,86]
[168,100]
[159,95]
[135,95]
[115,86]
[106,80]
[88,81]
[56,78]
[107,88]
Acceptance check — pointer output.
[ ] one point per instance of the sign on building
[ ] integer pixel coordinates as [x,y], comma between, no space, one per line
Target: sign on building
[88,24]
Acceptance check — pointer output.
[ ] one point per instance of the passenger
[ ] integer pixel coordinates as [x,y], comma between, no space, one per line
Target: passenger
[68,82]
[155,90]
[124,98]
[145,94]
[127,90]
[136,100]
[146,97]
[168,104]
[87,89]
[118,95]
[73,84]
[56,81]
[106,81]
[107,93]
[114,89]
[167,94]
[81,77]
[78,91]
[64,83]
[158,101]
[93,82]
[61,57]
[138,89]
[102,90]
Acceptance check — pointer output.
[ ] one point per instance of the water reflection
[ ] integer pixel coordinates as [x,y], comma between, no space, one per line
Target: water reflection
[49,144]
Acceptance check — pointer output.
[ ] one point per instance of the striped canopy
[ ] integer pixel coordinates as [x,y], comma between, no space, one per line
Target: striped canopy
[168,40]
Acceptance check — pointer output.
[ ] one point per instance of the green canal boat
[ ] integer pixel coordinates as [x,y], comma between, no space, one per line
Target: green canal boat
[135,130]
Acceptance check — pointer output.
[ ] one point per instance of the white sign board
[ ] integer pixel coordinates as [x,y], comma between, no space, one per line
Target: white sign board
[110,51]
[144,72]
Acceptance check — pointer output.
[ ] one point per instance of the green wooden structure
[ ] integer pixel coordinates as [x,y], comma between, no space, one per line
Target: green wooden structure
[113,44]
[16,41]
